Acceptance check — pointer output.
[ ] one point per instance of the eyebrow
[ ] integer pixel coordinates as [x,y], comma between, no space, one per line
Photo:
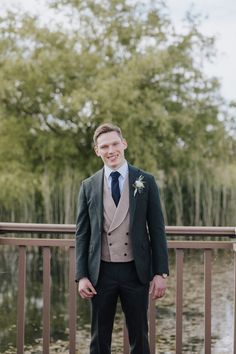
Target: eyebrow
[106,144]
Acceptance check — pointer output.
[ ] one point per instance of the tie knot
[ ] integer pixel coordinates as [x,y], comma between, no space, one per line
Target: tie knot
[115,175]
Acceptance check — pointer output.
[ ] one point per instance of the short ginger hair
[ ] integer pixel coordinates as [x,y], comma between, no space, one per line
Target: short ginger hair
[106,128]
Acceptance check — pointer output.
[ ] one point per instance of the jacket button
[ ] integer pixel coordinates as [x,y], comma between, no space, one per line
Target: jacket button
[125,254]
[110,244]
[109,234]
[127,233]
[126,243]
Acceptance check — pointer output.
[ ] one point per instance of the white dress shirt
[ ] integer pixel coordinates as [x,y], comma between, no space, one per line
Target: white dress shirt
[123,170]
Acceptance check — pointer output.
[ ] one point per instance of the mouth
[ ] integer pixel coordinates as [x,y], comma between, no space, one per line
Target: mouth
[112,158]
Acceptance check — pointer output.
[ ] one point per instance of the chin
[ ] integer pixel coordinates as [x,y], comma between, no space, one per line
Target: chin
[113,164]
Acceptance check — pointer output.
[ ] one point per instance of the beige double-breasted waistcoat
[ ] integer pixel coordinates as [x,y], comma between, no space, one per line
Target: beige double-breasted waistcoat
[116,241]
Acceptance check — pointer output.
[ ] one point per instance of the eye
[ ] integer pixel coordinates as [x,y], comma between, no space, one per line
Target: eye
[103,147]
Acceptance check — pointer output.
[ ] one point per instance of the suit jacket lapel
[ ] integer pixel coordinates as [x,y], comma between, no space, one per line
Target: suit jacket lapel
[134,174]
[98,196]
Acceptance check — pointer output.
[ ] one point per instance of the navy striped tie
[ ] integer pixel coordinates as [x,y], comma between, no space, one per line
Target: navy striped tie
[115,189]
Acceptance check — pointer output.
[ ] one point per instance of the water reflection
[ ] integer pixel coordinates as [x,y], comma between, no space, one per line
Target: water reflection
[193,306]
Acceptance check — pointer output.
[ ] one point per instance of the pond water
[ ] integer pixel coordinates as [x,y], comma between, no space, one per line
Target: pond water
[193,306]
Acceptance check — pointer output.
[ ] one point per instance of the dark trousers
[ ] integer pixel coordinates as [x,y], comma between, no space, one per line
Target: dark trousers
[119,280]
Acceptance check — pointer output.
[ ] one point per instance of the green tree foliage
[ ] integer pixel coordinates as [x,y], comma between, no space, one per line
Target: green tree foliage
[110,61]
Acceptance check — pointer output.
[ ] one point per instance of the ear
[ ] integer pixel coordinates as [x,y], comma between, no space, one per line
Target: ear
[97,150]
[125,144]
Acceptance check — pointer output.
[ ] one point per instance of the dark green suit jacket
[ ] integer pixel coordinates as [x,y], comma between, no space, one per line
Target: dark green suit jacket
[147,228]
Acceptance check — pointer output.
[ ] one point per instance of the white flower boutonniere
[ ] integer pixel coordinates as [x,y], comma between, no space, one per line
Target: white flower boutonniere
[139,185]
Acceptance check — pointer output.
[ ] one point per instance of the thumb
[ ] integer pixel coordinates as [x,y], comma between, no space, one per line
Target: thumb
[151,288]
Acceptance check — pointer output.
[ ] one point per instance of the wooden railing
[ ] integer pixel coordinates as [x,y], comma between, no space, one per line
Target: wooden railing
[179,246]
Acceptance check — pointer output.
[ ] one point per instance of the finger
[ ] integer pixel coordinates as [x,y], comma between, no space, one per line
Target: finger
[82,295]
[159,294]
[86,294]
[87,291]
[87,288]
[91,288]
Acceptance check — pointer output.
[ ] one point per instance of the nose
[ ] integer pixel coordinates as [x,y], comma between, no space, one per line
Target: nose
[110,149]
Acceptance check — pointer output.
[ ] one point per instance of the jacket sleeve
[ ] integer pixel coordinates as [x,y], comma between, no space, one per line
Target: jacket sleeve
[156,228]
[82,235]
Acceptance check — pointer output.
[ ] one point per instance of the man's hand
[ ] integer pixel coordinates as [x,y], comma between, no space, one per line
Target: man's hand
[158,287]
[85,288]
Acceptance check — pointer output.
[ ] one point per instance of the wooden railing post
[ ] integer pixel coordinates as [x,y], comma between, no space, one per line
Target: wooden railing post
[21,300]
[234,330]
[179,299]
[46,298]
[72,302]
[125,339]
[207,275]
[152,325]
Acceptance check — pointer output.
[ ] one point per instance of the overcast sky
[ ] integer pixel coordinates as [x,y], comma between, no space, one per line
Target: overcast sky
[220,21]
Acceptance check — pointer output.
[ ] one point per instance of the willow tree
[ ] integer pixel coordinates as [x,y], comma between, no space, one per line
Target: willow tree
[117,61]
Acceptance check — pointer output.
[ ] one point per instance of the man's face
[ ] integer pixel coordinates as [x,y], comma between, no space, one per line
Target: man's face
[110,147]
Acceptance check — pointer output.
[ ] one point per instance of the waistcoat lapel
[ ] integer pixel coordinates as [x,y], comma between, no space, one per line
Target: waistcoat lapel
[122,208]
[116,215]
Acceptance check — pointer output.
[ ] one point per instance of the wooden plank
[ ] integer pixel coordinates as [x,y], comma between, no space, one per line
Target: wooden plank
[41,242]
[70,228]
[38,228]
[37,242]
[200,244]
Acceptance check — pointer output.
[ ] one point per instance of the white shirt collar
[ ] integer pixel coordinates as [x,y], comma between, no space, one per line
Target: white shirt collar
[123,170]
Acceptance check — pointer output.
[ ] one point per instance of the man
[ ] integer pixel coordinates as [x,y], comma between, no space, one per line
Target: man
[120,244]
